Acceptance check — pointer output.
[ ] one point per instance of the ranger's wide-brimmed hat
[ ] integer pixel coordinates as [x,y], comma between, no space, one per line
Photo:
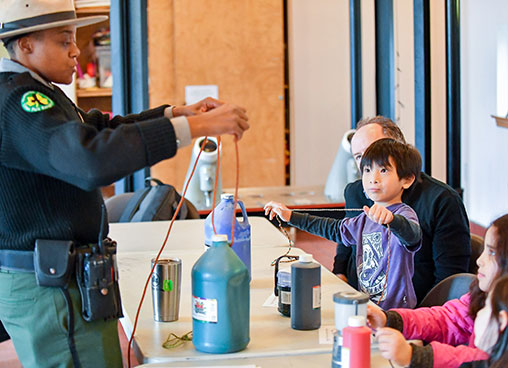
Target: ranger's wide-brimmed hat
[19,17]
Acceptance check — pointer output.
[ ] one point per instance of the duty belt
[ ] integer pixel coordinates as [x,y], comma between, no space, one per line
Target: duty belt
[17,260]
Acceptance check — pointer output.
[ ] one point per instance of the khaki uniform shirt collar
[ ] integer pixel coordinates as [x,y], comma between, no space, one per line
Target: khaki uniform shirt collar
[8,65]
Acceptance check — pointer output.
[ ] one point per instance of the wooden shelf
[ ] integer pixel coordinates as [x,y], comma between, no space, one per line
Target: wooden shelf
[94,92]
[500,121]
[93,10]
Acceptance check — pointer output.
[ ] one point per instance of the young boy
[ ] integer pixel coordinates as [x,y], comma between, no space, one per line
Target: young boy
[384,255]
[53,159]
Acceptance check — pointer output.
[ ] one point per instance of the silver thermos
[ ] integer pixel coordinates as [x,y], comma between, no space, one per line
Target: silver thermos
[166,284]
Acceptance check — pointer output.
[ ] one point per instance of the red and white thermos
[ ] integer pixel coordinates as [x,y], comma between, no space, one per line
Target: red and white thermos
[356,344]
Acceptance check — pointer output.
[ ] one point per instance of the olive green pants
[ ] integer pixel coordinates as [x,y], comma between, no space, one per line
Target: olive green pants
[36,319]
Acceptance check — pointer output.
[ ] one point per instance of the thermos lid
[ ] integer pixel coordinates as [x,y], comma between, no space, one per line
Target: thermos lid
[305,258]
[284,277]
[356,321]
[350,297]
[219,238]
[167,261]
[227,196]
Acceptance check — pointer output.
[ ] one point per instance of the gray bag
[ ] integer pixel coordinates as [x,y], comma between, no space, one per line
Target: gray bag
[157,203]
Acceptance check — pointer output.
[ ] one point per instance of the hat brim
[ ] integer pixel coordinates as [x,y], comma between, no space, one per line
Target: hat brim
[78,22]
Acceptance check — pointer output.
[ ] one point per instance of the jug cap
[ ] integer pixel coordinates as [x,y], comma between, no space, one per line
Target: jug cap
[305,258]
[219,238]
[350,297]
[227,196]
[356,321]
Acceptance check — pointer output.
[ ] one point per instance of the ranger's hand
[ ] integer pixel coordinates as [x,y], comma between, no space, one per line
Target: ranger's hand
[200,107]
[224,119]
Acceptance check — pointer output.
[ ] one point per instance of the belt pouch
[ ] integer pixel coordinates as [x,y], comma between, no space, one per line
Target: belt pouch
[97,278]
[53,262]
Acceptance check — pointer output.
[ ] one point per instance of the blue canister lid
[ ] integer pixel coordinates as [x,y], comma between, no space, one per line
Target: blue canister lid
[284,278]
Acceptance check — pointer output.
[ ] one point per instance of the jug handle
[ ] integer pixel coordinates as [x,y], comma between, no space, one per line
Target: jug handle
[244,212]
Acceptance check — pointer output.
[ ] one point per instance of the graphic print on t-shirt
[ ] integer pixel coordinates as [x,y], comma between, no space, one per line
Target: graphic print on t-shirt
[370,278]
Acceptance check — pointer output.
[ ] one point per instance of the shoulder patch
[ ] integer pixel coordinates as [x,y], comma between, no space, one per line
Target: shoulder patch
[34,101]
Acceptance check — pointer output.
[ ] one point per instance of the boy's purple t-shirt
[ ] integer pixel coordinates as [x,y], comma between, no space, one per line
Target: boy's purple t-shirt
[371,240]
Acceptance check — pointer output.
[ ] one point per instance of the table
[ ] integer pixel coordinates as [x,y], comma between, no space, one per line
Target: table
[300,361]
[186,234]
[270,333]
[255,198]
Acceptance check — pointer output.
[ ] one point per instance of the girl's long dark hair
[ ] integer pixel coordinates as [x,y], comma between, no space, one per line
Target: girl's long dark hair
[477,295]
[499,299]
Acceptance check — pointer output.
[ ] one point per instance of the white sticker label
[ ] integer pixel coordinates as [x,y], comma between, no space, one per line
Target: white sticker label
[316,297]
[345,357]
[326,334]
[271,301]
[204,310]
[285,297]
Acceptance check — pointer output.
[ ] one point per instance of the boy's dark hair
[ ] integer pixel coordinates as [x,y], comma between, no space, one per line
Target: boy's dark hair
[406,158]
[390,129]
[477,295]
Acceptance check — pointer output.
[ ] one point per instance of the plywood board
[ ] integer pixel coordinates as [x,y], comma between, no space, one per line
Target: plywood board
[237,45]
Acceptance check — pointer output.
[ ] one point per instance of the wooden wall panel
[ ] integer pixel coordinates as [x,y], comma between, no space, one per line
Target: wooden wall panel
[237,45]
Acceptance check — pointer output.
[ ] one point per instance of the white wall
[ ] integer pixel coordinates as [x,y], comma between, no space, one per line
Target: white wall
[320,95]
[320,92]
[484,145]
[368,24]
[403,34]
[438,89]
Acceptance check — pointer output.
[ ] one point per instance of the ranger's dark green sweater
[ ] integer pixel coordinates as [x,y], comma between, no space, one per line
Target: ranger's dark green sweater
[53,162]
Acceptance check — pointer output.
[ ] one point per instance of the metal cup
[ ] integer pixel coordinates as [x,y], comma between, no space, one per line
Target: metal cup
[166,286]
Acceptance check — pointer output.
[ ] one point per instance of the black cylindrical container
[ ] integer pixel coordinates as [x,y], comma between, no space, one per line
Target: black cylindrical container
[305,294]
[284,292]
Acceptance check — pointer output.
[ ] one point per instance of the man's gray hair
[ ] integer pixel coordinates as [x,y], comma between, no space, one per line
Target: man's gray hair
[390,129]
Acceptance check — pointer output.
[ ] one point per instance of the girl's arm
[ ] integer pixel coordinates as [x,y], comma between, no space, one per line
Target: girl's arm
[434,355]
[448,324]
[447,356]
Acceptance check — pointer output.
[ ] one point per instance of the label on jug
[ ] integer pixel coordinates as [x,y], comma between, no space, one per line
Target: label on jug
[316,297]
[204,310]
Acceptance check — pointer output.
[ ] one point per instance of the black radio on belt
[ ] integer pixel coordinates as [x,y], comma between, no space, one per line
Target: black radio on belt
[97,278]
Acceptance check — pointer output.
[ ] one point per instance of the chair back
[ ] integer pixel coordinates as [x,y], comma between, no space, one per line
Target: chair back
[453,287]
[476,251]
[116,205]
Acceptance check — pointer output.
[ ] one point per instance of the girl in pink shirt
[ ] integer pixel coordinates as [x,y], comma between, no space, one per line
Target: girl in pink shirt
[448,329]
